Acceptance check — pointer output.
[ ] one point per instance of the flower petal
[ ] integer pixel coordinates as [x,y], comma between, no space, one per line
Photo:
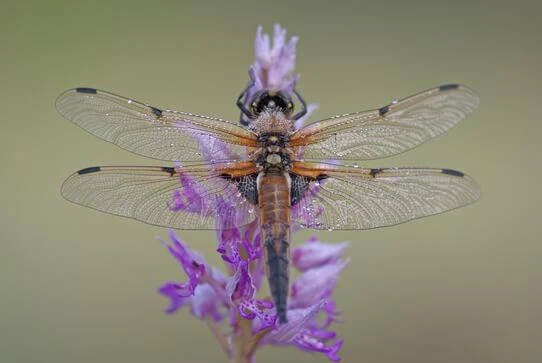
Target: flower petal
[298,320]
[315,254]
[259,311]
[315,284]
[177,296]
[206,303]
[189,197]
[274,64]
[192,262]
[240,290]
[312,344]
[240,286]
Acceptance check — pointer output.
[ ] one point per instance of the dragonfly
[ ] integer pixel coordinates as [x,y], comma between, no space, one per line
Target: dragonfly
[265,170]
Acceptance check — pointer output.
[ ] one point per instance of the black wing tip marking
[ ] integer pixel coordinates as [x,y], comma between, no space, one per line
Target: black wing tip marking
[382,111]
[453,172]
[92,169]
[448,87]
[86,90]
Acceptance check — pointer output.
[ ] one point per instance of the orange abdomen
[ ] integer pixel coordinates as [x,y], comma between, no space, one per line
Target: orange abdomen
[274,202]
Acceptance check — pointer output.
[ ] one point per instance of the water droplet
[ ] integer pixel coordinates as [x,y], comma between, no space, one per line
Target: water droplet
[355,166]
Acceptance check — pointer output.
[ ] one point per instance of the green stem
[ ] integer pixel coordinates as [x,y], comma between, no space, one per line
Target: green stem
[222,341]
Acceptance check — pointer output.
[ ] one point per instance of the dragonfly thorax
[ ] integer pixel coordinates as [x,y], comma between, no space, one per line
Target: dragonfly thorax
[270,123]
[273,159]
[274,130]
[273,155]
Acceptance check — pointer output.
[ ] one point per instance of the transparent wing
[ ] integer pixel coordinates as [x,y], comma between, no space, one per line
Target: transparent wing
[390,130]
[150,131]
[194,197]
[342,197]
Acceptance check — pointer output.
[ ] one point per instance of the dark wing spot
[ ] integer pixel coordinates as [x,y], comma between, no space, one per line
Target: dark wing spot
[225,176]
[156,111]
[298,187]
[247,186]
[452,172]
[448,87]
[322,177]
[375,172]
[383,110]
[85,90]
[92,169]
[168,169]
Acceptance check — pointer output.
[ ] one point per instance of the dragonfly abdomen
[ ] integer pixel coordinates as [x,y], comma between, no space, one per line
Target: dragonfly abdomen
[274,201]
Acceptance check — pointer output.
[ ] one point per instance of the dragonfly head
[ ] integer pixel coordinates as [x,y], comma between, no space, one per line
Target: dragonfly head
[267,100]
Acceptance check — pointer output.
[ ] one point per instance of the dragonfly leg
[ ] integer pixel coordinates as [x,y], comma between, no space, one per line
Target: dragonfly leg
[303,111]
[244,110]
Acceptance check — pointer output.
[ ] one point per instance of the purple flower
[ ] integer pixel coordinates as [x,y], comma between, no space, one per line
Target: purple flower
[273,67]
[230,303]
[315,254]
[188,197]
[316,284]
[274,63]
[211,295]
[316,342]
[301,331]
[191,262]
[298,332]
[241,292]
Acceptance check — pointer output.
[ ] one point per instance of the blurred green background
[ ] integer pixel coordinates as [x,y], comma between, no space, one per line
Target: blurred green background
[79,286]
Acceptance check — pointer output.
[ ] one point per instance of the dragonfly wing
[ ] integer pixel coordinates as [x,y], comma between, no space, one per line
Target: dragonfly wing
[389,130]
[151,131]
[194,197]
[340,197]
